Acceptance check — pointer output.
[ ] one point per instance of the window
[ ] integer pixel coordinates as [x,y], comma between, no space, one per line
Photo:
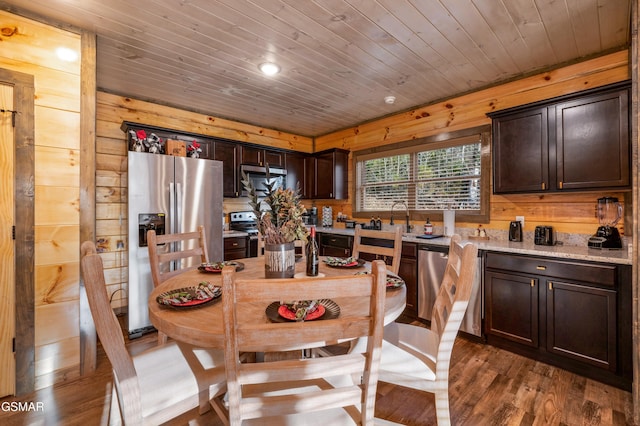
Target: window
[429,175]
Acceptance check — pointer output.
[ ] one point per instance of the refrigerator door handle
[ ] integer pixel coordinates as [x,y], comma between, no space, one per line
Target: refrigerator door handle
[172,208]
[178,217]
[172,220]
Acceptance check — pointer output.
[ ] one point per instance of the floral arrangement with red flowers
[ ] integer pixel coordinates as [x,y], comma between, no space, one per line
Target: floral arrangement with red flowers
[194,149]
[142,142]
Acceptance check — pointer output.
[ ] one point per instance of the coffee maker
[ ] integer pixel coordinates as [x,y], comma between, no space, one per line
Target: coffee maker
[608,212]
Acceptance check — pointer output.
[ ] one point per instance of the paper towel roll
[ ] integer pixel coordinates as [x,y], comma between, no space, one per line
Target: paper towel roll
[449,222]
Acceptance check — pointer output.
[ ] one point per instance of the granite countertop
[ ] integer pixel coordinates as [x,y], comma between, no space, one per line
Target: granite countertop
[622,257]
[230,234]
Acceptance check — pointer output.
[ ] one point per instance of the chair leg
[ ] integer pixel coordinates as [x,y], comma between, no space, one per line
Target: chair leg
[162,338]
[220,406]
[115,416]
[442,408]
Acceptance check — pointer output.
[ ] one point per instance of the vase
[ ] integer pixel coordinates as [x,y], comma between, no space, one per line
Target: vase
[280,260]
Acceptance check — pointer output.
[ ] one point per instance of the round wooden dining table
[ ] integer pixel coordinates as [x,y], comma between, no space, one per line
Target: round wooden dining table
[202,326]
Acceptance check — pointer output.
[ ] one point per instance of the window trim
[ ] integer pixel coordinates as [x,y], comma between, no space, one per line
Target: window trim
[440,140]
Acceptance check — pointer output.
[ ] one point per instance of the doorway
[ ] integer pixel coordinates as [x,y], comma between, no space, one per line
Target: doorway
[7,296]
[17,350]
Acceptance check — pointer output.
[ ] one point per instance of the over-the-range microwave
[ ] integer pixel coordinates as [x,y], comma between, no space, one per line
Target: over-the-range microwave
[258,177]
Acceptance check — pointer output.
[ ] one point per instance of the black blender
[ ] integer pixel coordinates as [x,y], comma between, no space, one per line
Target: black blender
[609,212]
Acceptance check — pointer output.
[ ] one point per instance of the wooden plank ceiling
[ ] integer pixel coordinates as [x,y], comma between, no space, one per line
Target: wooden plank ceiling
[339,58]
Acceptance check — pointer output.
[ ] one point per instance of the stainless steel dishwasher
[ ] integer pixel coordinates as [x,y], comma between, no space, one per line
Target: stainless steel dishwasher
[432,261]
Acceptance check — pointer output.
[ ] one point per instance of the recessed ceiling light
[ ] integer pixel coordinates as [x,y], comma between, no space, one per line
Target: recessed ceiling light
[389,99]
[269,68]
[66,54]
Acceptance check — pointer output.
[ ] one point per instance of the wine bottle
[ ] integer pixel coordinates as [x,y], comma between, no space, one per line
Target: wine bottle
[313,253]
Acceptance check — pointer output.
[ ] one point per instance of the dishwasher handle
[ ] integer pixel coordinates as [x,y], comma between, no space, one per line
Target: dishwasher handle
[444,250]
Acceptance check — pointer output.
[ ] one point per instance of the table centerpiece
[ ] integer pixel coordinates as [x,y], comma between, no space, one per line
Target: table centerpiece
[280,224]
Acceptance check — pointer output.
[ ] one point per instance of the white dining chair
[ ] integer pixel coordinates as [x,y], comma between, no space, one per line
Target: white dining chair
[319,391]
[419,358]
[173,254]
[367,240]
[159,384]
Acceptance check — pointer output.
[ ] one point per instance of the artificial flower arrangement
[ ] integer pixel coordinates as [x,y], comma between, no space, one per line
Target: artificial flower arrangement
[194,149]
[282,221]
[141,142]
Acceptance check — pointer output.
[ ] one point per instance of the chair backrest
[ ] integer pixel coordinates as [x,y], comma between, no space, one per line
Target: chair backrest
[172,254]
[110,334]
[390,244]
[453,296]
[246,330]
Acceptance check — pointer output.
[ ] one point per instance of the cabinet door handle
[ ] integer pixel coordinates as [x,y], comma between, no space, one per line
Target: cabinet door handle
[533,283]
[543,185]
[550,285]
[235,244]
[541,268]
[560,184]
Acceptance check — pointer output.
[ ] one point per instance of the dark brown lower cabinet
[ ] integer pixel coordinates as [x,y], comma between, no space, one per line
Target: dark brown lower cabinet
[512,307]
[235,248]
[334,244]
[581,323]
[340,245]
[576,315]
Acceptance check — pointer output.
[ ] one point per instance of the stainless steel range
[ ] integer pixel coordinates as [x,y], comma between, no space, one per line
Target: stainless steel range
[245,221]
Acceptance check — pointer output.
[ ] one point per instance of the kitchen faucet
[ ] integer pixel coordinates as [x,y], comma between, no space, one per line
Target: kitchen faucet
[406,208]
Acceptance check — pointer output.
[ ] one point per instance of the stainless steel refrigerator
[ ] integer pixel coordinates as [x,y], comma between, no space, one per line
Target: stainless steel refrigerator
[171,195]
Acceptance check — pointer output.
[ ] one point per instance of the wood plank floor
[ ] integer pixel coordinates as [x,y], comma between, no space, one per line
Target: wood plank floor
[489,386]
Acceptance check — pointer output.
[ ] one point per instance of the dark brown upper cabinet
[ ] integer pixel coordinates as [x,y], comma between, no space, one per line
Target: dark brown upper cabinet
[261,157]
[228,153]
[577,142]
[295,164]
[327,172]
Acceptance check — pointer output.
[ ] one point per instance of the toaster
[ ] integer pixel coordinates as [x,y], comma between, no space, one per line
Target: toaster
[543,236]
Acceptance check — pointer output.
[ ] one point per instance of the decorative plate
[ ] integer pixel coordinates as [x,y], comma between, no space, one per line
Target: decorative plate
[189,297]
[393,281]
[331,311]
[287,313]
[216,267]
[344,262]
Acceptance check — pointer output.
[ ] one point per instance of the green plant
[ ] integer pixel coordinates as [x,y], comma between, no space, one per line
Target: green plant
[282,221]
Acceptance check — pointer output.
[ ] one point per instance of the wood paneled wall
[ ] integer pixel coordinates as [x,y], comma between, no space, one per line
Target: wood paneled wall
[567,212]
[111,168]
[29,47]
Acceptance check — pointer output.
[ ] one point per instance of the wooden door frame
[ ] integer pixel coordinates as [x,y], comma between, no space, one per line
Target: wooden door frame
[24,198]
[88,89]
[635,175]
